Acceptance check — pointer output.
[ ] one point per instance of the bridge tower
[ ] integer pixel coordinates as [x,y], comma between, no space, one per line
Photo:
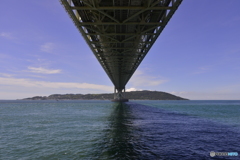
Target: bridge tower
[120,32]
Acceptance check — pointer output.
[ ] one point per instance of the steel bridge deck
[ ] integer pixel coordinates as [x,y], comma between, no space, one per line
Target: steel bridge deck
[120,32]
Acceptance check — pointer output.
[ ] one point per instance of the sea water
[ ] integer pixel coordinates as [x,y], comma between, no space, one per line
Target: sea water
[154,130]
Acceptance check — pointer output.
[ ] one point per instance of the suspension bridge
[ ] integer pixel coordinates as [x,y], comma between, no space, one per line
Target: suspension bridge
[120,32]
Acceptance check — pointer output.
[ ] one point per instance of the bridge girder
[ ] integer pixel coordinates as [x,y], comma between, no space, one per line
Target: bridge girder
[120,32]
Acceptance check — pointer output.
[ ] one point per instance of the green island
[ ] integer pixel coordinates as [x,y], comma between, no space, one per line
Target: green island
[133,95]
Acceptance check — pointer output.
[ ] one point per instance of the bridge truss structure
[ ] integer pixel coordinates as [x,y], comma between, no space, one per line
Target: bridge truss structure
[120,32]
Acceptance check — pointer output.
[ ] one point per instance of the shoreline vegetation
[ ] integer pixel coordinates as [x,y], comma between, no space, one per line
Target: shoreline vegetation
[133,95]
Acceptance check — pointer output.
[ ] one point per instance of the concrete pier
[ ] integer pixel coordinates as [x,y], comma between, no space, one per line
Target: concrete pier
[119,100]
[119,95]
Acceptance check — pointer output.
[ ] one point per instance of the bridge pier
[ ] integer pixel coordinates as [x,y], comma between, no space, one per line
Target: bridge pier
[119,95]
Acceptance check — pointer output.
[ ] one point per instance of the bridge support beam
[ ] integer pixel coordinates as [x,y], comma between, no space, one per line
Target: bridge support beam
[119,95]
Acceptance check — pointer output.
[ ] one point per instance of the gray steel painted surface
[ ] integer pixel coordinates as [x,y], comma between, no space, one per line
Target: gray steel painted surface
[120,32]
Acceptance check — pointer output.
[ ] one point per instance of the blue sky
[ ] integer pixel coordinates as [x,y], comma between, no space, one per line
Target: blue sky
[197,56]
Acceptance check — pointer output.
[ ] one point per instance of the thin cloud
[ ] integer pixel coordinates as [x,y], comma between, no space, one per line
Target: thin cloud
[132,89]
[209,95]
[5,75]
[51,85]
[7,35]
[201,70]
[140,79]
[44,70]
[178,93]
[48,47]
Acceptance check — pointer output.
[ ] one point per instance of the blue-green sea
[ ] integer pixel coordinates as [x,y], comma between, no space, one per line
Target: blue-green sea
[96,130]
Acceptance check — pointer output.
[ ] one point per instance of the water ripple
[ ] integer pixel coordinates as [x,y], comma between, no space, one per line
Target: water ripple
[105,130]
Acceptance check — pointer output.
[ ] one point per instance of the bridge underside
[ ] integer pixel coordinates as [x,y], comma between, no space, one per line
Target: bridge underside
[120,32]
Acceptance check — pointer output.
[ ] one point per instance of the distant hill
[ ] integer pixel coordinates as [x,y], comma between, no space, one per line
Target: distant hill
[134,95]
